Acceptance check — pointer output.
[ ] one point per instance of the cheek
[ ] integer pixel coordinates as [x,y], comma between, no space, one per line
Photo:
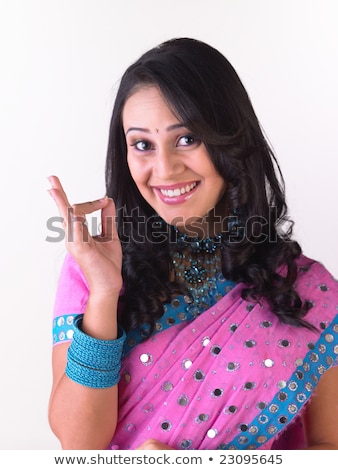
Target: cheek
[138,170]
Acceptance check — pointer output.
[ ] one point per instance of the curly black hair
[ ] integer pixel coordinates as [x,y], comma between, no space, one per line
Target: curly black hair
[204,91]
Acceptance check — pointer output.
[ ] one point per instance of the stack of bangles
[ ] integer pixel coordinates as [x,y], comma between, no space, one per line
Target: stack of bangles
[92,362]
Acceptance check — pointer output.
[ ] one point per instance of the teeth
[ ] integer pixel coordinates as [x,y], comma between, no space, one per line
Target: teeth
[178,192]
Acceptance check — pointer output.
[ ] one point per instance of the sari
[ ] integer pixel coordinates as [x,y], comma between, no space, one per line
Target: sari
[232,377]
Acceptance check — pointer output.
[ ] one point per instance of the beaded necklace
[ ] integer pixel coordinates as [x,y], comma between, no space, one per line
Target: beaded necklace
[197,264]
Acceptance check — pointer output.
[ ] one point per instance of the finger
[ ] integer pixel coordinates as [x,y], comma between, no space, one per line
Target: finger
[58,194]
[84,208]
[108,219]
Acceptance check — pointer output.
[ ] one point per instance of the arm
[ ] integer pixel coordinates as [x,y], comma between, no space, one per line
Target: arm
[321,416]
[83,417]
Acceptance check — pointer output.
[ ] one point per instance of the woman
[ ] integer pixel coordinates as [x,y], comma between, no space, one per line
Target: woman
[204,325]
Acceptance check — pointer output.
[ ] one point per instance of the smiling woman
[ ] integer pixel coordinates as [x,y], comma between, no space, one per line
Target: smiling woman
[195,321]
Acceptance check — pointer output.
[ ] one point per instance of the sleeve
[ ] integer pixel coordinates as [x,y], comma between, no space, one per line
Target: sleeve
[71,299]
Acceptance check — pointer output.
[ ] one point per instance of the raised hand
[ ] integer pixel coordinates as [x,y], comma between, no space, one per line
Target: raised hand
[99,257]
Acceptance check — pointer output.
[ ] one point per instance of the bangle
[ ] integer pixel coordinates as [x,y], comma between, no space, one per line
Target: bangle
[92,362]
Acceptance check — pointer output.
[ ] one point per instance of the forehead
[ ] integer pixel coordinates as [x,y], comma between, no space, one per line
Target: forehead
[144,102]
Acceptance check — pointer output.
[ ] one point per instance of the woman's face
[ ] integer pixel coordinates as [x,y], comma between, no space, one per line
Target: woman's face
[170,166]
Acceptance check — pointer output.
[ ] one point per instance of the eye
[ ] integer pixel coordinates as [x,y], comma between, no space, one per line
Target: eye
[187,139]
[142,145]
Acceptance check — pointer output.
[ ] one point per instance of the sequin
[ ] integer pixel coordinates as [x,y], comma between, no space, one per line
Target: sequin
[282,396]
[232,366]
[205,341]
[218,392]
[215,350]
[202,418]
[299,375]
[250,343]
[167,386]
[185,444]
[130,427]
[268,363]
[199,375]
[249,385]
[292,408]
[253,430]
[243,427]
[314,357]
[182,316]
[148,408]
[311,346]
[273,408]
[243,440]
[308,386]
[69,334]
[284,343]
[299,361]
[183,400]
[322,348]
[266,324]
[186,364]
[261,405]
[272,429]
[292,386]
[283,419]
[232,409]
[329,338]
[281,384]
[212,433]
[233,327]
[263,419]
[261,439]
[301,397]
[146,359]
[166,425]
[175,303]
[321,369]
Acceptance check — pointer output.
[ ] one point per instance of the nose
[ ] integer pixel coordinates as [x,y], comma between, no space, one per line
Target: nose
[167,164]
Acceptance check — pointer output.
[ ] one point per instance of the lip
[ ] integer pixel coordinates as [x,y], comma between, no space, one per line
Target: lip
[174,200]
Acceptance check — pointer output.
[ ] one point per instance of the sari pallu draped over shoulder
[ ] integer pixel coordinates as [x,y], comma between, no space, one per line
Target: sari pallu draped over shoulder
[232,378]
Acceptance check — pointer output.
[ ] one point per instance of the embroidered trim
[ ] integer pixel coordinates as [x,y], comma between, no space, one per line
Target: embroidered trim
[291,397]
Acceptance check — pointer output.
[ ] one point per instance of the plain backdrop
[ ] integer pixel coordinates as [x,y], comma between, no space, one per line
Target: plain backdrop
[60,64]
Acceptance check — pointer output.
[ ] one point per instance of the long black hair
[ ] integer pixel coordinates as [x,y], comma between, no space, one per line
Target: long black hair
[204,91]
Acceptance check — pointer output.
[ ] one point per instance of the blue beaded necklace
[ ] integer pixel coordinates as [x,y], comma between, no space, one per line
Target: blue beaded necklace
[196,264]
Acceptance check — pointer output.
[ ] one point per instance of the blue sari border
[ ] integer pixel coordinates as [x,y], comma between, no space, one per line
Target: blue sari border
[293,395]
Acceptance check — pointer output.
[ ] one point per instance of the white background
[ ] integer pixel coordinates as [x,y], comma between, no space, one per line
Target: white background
[60,62]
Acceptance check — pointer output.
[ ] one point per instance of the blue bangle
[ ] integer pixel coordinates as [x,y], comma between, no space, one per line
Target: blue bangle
[92,362]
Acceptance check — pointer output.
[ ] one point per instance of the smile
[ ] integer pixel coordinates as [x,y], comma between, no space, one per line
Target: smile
[178,191]
[177,194]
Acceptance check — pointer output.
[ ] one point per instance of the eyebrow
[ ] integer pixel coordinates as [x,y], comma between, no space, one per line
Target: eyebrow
[148,131]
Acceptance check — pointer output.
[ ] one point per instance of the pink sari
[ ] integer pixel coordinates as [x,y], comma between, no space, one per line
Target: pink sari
[232,378]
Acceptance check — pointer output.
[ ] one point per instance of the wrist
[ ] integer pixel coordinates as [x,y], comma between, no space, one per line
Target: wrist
[100,319]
